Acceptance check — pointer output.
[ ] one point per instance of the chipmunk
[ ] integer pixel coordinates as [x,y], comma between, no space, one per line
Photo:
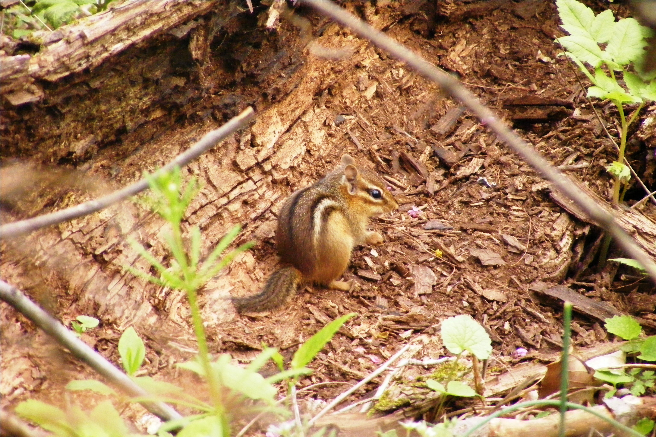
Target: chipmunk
[318,227]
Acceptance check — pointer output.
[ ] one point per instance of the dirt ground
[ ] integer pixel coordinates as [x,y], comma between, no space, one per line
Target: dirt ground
[476,232]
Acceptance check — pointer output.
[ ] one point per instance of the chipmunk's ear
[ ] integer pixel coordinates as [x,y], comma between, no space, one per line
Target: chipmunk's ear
[347,160]
[350,176]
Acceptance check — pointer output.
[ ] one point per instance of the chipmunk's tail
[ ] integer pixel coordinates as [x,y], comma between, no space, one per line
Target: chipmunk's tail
[279,288]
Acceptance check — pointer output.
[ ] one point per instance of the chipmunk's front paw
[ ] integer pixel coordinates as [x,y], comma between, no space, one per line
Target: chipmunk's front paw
[373,238]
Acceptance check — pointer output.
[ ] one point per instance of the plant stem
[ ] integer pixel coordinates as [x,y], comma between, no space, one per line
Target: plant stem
[564,365]
[203,351]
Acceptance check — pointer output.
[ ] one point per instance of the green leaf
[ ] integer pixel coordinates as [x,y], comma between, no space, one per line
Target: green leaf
[648,349]
[87,322]
[209,426]
[288,374]
[639,87]
[247,382]
[624,327]
[45,415]
[603,27]
[584,49]
[107,418]
[434,385]
[629,262]
[614,378]
[459,388]
[627,44]
[620,171]
[644,426]
[463,333]
[314,344]
[132,350]
[577,18]
[90,384]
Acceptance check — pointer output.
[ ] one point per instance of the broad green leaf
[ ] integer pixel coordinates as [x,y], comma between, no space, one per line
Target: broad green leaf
[463,333]
[644,426]
[624,327]
[90,384]
[640,88]
[648,349]
[577,18]
[629,262]
[45,415]
[585,49]
[314,344]
[434,385]
[459,388]
[613,377]
[88,322]
[132,350]
[627,43]
[603,27]
[247,382]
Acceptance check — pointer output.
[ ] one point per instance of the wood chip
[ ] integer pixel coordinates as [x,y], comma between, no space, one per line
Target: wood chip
[513,242]
[424,279]
[487,257]
[369,274]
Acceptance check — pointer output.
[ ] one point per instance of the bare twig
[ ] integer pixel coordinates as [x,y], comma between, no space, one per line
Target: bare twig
[452,87]
[212,138]
[371,376]
[81,350]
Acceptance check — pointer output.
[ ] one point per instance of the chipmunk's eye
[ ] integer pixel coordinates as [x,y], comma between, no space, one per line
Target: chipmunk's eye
[375,193]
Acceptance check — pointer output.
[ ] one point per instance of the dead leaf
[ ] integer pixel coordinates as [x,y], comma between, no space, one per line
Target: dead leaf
[424,279]
[487,257]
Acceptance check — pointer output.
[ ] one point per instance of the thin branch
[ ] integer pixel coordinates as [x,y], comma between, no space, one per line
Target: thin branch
[369,377]
[212,138]
[81,350]
[453,88]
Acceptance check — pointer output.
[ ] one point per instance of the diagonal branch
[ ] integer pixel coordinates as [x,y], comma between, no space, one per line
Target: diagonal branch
[453,87]
[212,138]
[81,350]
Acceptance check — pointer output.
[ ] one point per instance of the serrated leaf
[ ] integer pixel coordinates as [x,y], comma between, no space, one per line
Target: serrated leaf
[463,333]
[314,344]
[576,17]
[624,327]
[603,27]
[648,349]
[585,49]
[627,43]
[132,350]
[639,87]
[90,384]
[459,388]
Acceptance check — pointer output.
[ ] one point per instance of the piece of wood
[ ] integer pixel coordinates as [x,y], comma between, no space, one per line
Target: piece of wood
[90,42]
[636,224]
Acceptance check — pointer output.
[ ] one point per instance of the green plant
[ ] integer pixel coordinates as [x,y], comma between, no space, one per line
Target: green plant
[83,323]
[631,263]
[132,350]
[612,49]
[101,421]
[638,380]
[28,16]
